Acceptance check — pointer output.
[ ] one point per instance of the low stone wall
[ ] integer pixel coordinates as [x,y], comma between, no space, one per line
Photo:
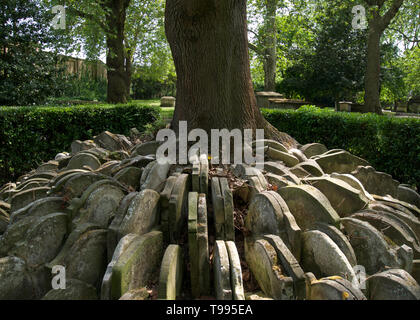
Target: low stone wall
[286,104]
[263,98]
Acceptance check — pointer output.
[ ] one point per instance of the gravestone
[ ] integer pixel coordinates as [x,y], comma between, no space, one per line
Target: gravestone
[171,270]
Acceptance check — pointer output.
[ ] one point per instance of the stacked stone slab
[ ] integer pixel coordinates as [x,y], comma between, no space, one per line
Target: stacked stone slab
[136,265]
[227,272]
[171,273]
[178,207]
[223,211]
[320,224]
[200,174]
[198,245]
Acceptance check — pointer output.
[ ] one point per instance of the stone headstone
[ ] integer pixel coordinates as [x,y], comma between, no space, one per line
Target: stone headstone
[155,178]
[112,142]
[113,236]
[121,247]
[221,268]
[24,198]
[339,239]
[323,257]
[165,196]
[39,208]
[394,284]
[138,264]
[147,148]
[129,176]
[406,194]
[86,259]
[235,271]
[171,272]
[308,205]
[371,249]
[269,214]
[78,146]
[100,206]
[167,102]
[334,288]
[340,162]
[203,246]
[310,166]
[290,265]
[218,209]
[344,199]
[271,144]
[84,161]
[43,240]
[136,294]
[287,158]
[313,149]
[193,243]
[263,262]
[142,214]
[375,182]
[178,207]
[395,230]
[228,209]
[264,96]
[15,281]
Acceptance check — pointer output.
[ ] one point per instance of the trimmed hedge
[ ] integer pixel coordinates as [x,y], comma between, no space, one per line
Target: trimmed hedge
[31,135]
[390,144]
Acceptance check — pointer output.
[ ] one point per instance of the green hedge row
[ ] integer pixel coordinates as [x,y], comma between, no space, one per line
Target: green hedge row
[31,135]
[390,144]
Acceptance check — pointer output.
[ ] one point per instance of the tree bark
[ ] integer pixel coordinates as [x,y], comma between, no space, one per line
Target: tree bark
[373,70]
[128,70]
[115,21]
[270,59]
[377,26]
[209,44]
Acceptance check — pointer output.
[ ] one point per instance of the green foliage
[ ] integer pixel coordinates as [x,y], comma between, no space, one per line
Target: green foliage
[331,67]
[31,135]
[390,144]
[28,74]
[411,66]
[84,88]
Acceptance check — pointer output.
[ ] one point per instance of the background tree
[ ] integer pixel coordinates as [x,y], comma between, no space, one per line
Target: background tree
[28,73]
[329,65]
[266,39]
[380,16]
[96,23]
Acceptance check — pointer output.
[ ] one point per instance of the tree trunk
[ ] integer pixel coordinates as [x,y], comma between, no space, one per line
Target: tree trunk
[377,26]
[209,44]
[270,59]
[115,60]
[128,70]
[373,70]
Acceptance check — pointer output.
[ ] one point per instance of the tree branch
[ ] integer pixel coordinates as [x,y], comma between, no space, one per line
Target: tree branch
[391,13]
[88,16]
[406,38]
[254,48]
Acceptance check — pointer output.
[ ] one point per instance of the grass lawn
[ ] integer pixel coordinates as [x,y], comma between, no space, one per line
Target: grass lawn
[150,103]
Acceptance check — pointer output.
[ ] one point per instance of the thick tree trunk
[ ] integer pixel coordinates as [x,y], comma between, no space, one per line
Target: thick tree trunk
[209,44]
[115,60]
[270,59]
[373,70]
